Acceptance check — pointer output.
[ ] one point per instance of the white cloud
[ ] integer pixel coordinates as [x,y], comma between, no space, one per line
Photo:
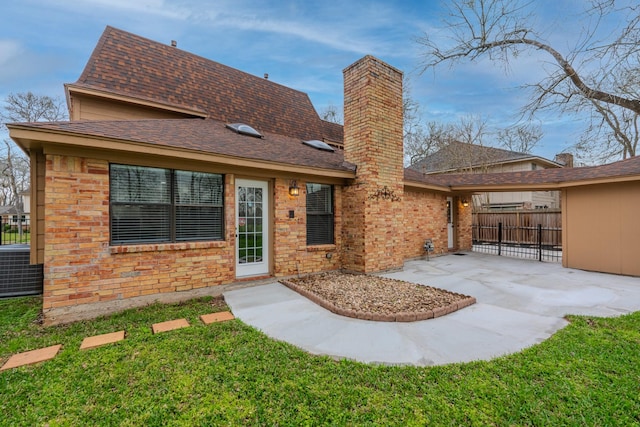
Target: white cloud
[350,26]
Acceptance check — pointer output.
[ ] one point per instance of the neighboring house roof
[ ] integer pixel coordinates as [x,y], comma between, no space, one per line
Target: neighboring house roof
[458,156]
[8,210]
[128,65]
[199,135]
[623,170]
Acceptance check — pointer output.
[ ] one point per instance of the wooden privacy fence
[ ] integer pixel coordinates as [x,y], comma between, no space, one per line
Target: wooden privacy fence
[522,234]
[519,227]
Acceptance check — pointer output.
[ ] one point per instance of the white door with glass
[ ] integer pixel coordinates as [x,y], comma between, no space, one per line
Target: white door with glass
[252,228]
[449,222]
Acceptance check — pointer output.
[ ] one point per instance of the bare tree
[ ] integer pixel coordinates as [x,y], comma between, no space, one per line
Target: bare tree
[27,107]
[331,114]
[14,164]
[457,144]
[521,138]
[468,134]
[14,175]
[425,140]
[598,75]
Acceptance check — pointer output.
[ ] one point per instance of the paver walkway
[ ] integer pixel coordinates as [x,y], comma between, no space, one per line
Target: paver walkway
[31,357]
[98,340]
[43,354]
[169,325]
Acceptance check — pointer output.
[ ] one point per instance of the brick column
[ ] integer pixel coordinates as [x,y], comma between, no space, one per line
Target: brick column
[372,205]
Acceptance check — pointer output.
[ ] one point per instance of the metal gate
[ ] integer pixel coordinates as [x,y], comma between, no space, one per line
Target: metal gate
[533,235]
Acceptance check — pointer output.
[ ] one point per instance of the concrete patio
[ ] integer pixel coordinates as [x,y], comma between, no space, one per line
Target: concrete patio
[519,303]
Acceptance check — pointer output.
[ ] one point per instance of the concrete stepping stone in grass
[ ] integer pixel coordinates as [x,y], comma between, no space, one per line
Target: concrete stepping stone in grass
[98,340]
[31,357]
[216,317]
[169,325]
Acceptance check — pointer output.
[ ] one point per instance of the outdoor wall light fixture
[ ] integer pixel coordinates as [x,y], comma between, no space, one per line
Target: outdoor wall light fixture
[293,189]
[465,202]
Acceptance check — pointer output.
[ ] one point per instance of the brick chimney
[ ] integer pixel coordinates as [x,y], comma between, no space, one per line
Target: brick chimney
[372,205]
[564,158]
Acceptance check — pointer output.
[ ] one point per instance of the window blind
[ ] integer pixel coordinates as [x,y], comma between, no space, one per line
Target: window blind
[320,221]
[163,205]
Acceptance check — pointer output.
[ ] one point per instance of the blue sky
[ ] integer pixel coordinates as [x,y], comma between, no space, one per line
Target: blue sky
[301,44]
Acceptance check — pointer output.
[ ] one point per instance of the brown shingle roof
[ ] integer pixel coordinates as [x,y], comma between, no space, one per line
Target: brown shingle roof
[457,156]
[207,136]
[210,136]
[560,176]
[129,65]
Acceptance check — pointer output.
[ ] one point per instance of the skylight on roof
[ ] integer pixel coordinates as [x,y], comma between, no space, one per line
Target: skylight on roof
[320,145]
[244,129]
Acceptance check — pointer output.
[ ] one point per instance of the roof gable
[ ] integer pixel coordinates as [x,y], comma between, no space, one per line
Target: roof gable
[125,64]
[459,156]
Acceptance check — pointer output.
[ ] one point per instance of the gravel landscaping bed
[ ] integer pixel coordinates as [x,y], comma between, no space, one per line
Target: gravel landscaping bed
[377,298]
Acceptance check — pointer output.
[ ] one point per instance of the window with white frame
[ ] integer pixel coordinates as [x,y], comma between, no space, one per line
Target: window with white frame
[319,214]
[149,205]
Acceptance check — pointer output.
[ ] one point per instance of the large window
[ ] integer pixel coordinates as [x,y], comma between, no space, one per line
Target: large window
[319,214]
[164,205]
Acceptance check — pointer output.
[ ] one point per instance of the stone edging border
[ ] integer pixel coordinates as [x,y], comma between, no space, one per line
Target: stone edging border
[412,316]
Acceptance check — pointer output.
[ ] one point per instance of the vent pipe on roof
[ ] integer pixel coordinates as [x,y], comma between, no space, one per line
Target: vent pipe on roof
[266,76]
[174,43]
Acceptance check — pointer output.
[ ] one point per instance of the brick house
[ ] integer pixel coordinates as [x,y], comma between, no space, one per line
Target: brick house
[154,191]
[177,176]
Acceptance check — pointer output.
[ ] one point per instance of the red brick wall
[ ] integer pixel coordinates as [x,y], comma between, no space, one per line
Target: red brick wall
[425,217]
[372,232]
[80,267]
[464,222]
[291,254]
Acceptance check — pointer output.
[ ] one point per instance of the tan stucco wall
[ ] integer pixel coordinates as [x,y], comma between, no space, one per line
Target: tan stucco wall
[89,108]
[601,230]
[529,199]
[38,165]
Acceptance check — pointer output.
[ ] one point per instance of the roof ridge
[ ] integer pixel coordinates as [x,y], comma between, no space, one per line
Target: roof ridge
[111,30]
[126,64]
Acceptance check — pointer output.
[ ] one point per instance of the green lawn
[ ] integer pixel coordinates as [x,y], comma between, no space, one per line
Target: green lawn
[230,374]
[14,238]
